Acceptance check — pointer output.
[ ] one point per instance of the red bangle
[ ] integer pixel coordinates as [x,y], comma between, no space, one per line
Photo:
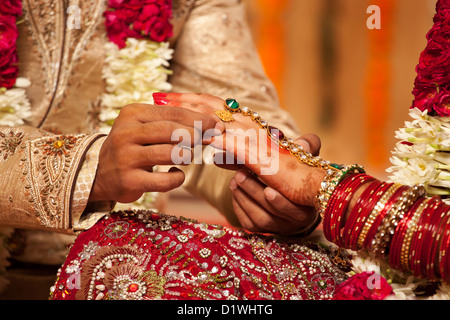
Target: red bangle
[375,212]
[411,228]
[440,223]
[338,204]
[339,201]
[428,239]
[330,215]
[416,244]
[428,229]
[361,211]
[444,259]
[346,230]
[368,242]
[395,251]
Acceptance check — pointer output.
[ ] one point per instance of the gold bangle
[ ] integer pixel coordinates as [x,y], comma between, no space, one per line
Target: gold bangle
[411,229]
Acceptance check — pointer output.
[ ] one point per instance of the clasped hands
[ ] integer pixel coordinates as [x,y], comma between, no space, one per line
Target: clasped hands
[141,138]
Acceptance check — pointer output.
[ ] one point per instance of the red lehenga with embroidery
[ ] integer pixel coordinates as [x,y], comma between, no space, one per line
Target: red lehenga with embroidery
[147,255]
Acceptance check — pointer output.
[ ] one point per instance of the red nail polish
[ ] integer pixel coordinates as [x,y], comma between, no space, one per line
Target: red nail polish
[160,101]
[159,95]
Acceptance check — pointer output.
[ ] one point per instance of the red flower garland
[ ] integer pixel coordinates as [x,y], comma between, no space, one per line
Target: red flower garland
[138,19]
[358,287]
[432,85]
[9,68]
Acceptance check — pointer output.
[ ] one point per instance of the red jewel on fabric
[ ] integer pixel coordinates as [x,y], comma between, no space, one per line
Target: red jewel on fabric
[133,287]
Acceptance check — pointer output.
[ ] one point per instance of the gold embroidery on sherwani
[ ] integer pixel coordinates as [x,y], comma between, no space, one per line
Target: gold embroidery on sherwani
[60,46]
[51,164]
[10,139]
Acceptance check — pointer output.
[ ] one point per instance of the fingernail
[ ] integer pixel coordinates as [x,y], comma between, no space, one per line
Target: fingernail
[159,95]
[240,177]
[159,98]
[233,185]
[269,193]
[161,102]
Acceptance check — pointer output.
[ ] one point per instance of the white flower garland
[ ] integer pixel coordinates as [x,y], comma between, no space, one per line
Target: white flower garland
[424,158]
[15,108]
[132,75]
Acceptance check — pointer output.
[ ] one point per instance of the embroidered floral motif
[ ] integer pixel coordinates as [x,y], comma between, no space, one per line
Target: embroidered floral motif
[325,284]
[9,141]
[59,145]
[118,273]
[117,230]
[89,250]
[204,253]
[127,282]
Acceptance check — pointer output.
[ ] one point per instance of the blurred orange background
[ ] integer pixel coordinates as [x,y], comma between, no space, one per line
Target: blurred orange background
[339,79]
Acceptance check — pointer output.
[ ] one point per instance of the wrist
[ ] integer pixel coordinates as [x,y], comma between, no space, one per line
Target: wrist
[335,174]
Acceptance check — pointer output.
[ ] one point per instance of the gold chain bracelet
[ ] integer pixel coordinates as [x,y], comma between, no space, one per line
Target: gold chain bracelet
[335,173]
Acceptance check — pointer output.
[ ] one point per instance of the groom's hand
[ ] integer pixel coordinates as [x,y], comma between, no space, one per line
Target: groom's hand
[141,138]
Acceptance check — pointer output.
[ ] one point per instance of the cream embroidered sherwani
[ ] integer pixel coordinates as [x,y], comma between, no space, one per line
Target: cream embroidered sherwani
[48,166]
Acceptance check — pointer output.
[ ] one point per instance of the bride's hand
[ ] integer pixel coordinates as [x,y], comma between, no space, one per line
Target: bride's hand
[297,182]
[260,208]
